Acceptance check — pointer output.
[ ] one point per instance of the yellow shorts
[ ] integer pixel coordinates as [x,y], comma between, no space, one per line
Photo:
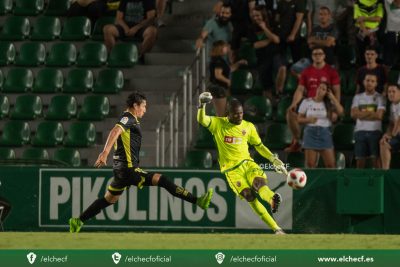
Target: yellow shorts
[243,176]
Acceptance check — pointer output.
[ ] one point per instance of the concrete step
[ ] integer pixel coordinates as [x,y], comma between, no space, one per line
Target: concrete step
[177,33]
[195,20]
[183,59]
[157,70]
[174,46]
[191,7]
[148,84]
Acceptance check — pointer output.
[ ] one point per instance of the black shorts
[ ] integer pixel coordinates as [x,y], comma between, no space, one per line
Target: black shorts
[125,177]
[138,35]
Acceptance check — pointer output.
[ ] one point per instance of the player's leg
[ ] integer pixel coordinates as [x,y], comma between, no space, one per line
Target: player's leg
[328,156]
[149,38]
[360,149]
[311,158]
[111,33]
[386,156]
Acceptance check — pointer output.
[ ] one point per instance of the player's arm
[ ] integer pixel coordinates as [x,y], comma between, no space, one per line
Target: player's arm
[111,139]
[202,118]
[298,95]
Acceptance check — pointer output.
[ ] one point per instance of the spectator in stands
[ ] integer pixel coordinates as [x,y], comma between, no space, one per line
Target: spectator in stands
[309,81]
[324,35]
[93,9]
[343,20]
[316,113]
[314,6]
[371,66]
[368,15]
[264,42]
[390,141]
[391,52]
[220,70]
[135,18]
[217,28]
[368,109]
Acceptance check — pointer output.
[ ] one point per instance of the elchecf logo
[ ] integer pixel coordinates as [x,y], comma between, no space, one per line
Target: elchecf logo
[116,257]
[31,257]
[220,257]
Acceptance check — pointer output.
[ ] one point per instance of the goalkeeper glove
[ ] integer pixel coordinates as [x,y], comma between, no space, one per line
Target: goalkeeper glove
[204,98]
[279,166]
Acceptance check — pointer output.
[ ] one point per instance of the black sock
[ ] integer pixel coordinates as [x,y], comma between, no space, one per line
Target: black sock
[94,209]
[175,190]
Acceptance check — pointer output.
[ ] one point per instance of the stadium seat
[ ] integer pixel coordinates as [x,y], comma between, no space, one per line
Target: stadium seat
[57,7]
[80,134]
[62,107]
[31,54]
[48,80]
[6,153]
[248,53]
[94,108]
[15,29]
[69,156]
[5,6]
[97,33]
[394,76]
[27,107]
[123,55]
[48,134]
[15,134]
[78,81]
[347,101]
[204,138]
[109,81]
[92,55]
[1,80]
[290,84]
[7,53]
[76,29]
[34,153]
[241,81]
[278,136]
[296,160]
[62,55]
[283,105]
[4,106]
[343,136]
[19,80]
[46,29]
[28,7]
[197,159]
[257,109]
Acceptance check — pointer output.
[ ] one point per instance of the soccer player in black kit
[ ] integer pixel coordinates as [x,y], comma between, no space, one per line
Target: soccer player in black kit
[126,137]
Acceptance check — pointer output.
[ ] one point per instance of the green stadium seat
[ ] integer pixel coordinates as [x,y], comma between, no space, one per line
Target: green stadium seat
[48,134]
[31,54]
[5,6]
[48,80]
[257,109]
[92,55]
[4,106]
[27,107]
[57,7]
[76,29]
[1,80]
[62,55]
[283,105]
[46,29]
[34,153]
[123,55]
[80,134]
[343,136]
[204,139]
[28,7]
[94,108]
[15,133]
[15,29]
[290,84]
[78,81]
[109,81]
[296,160]
[62,107]
[248,53]
[241,81]
[19,80]
[197,159]
[6,153]
[97,33]
[278,136]
[347,101]
[68,156]
[394,76]
[7,53]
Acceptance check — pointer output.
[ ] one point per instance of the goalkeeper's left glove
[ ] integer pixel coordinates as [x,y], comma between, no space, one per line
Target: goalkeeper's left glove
[204,98]
[279,166]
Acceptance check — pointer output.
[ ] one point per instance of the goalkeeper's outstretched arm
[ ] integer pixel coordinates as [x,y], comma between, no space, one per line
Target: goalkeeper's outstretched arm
[202,118]
[266,153]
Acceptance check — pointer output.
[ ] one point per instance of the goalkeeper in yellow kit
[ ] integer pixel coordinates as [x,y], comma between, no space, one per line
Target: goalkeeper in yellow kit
[232,135]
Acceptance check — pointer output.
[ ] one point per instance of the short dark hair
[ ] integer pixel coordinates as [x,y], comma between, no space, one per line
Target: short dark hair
[325,8]
[373,48]
[234,103]
[135,98]
[395,85]
[317,48]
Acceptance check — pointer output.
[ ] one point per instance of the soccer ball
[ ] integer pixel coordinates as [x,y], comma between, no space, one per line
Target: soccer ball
[296,178]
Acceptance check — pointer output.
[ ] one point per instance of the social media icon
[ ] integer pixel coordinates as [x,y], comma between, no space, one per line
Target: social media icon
[116,257]
[31,257]
[220,257]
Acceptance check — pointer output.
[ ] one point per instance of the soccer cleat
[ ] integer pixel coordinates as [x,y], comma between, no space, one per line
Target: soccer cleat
[204,201]
[75,225]
[275,202]
[279,232]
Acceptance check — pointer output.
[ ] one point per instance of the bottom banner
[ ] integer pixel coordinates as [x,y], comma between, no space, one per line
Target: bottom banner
[200,258]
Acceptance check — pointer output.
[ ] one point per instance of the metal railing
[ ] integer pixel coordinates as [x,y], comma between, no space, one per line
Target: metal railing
[179,118]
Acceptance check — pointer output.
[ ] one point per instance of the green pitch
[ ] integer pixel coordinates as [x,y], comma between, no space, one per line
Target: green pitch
[101,240]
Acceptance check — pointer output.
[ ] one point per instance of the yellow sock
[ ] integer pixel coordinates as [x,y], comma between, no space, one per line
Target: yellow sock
[266,194]
[263,213]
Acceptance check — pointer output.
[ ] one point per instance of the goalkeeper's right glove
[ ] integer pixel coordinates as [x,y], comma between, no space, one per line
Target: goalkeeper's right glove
[204,98]
[279,166]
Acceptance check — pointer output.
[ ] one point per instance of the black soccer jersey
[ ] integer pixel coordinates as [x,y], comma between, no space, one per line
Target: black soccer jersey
[128,144]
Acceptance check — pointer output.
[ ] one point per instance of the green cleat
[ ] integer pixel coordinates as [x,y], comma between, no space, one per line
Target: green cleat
[75,225]
[204,201]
